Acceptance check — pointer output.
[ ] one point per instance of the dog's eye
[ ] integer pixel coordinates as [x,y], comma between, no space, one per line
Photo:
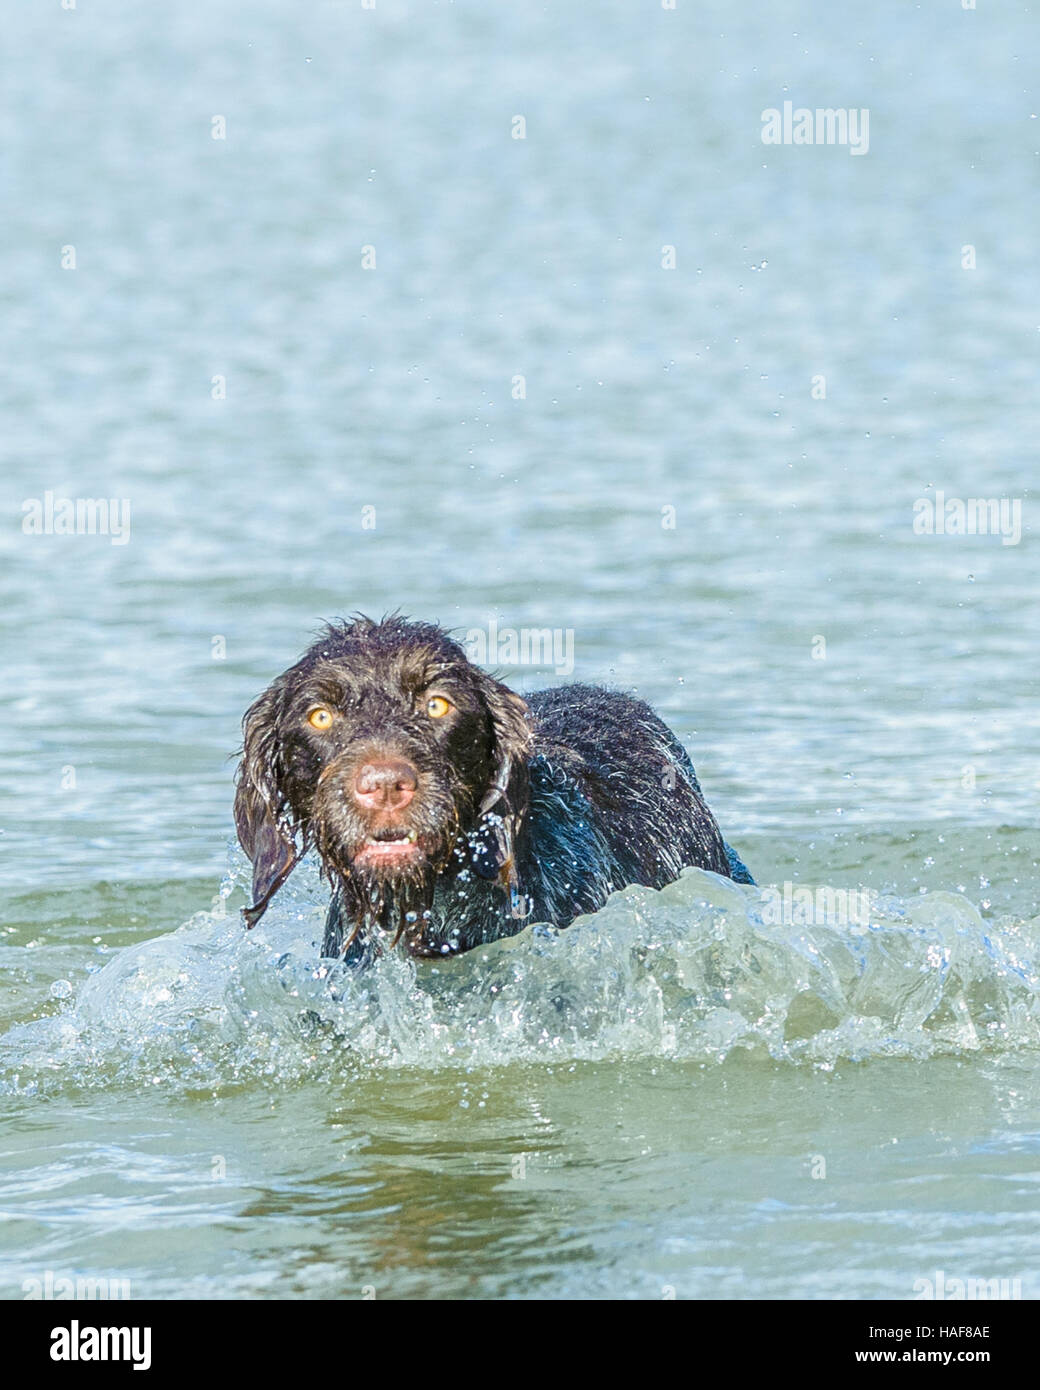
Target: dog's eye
[320,718]
[437,706]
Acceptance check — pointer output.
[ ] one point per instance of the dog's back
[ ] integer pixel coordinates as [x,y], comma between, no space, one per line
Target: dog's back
[614,800]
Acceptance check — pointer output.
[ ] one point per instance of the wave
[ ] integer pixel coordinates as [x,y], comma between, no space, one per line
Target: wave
[701,970]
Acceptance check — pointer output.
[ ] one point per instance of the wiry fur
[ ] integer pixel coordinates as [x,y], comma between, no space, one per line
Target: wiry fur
[526,811]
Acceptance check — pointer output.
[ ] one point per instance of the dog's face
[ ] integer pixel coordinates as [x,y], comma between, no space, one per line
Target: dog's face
[382,747]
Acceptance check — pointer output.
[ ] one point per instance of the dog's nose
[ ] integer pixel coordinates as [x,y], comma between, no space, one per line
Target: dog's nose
[385,786]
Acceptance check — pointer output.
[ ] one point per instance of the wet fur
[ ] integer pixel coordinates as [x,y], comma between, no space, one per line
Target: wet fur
[534,810]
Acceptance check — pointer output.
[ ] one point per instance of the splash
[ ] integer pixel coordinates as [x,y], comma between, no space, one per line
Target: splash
[700,970]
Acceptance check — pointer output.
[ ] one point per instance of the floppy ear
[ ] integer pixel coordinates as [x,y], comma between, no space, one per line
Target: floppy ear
[512,747]
[504,804]
[265,831]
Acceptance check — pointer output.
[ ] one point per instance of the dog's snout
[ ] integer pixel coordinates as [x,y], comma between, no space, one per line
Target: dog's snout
[387,785]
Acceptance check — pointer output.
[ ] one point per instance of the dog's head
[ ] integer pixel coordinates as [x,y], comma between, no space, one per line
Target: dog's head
[391,754]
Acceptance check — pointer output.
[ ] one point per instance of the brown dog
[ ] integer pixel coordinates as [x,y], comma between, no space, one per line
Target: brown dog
[446,810]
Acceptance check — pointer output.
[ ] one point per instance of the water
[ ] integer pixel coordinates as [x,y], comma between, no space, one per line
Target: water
[678,1094]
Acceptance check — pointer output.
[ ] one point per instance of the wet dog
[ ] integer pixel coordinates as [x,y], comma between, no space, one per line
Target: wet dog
[447,811]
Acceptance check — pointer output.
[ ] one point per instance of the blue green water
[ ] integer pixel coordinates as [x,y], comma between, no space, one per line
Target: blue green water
[641,1105]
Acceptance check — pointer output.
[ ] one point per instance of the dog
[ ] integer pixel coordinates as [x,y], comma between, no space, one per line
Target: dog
[446,810]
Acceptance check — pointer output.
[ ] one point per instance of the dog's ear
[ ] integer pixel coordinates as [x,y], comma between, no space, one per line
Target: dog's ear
[504,804]
[512,743]
[264,830]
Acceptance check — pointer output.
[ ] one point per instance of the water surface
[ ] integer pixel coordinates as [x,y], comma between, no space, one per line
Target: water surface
[640,1106]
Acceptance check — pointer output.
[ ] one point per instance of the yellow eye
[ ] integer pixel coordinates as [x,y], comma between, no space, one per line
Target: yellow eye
[437,706]
[320,718]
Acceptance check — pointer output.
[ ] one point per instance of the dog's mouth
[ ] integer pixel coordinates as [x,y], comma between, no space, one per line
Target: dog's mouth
[391,848]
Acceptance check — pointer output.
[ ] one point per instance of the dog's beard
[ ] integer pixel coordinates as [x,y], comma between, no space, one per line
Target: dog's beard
[397,904]
[390,894]
[384,868]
